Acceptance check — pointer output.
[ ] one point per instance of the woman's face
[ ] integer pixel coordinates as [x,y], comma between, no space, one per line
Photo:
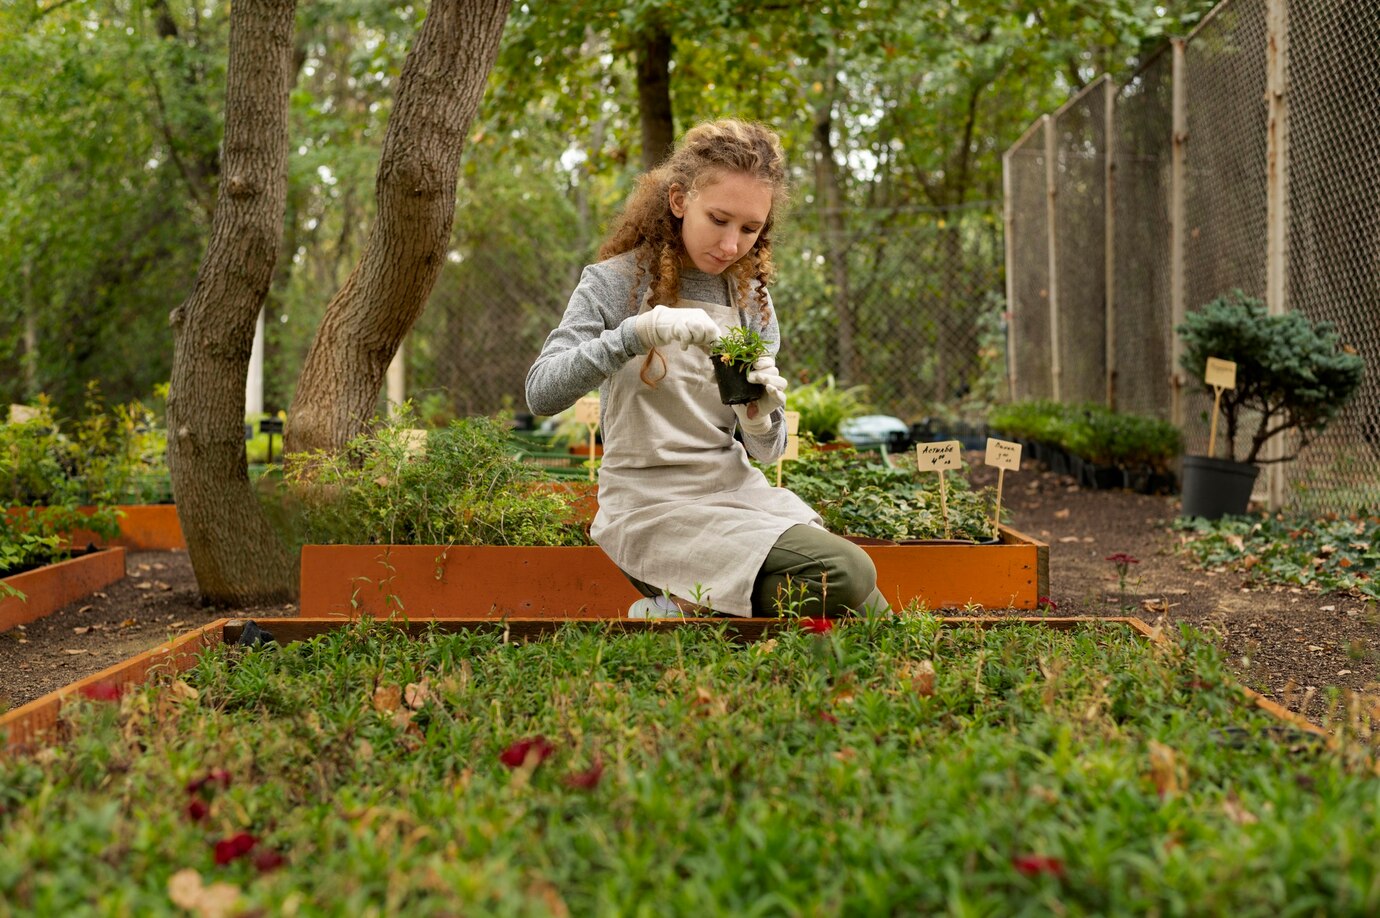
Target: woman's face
[721,220]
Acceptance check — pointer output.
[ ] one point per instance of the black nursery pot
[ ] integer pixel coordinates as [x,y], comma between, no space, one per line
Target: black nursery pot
[1213,488]
[734,388]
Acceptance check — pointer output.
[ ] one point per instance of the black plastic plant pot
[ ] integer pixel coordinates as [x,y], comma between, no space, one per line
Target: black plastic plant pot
[1214,488]
[734,388]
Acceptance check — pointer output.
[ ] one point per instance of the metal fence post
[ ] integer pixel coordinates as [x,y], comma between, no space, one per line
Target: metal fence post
[1176,228]
[1109,238]
[1277,200]
[1056,369]
[1009,250]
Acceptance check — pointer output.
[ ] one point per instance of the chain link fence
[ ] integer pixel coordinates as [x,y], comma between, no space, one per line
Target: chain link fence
[923,290]
[1244,157]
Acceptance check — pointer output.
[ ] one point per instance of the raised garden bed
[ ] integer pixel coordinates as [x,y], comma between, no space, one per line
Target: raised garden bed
[463,581]
[886,766]
[143,527]
[49,588]
[41,720]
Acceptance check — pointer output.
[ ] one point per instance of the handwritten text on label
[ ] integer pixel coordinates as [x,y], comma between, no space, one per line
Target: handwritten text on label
[937,456]
[1003,454]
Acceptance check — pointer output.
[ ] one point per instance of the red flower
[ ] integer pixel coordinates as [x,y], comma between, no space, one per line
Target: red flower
[817,625]
[1122,558]
[825,717]
[214,776]
[233,847]
[585,780]
[1044,602]
[104,690]
[197,809]
[268,860]
[532,750]
[1033,865]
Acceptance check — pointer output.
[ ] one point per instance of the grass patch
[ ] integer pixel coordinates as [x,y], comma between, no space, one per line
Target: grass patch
[1327,552]
[880,767]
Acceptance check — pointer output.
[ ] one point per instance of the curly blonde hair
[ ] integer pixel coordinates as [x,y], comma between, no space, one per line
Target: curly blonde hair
[647,226]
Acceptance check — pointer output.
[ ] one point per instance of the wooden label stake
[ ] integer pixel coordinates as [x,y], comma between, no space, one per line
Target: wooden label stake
[1220,375]
[792,442]
[1004,455]
[937,457]
[587,413]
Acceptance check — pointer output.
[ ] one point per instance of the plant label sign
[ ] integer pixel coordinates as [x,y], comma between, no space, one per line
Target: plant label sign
[1003,454]
[937,457]
[792,442]
[792,436]
[1221,374]
[587,410]
[21,414]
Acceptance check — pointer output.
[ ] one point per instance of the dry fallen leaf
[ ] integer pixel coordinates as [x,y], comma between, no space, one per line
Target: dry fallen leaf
[1164,769]
[186,890]
[180,689]
[387,698]
[1061,514]
[416,694]
[1236,812]
[74,651]
[81,629]
[1070,539]
[921,675]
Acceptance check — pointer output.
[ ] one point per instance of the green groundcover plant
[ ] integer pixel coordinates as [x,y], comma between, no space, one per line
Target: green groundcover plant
[876,767]
[1328,553]
[107,456]
[462,486]
[861,498]
[1092,432]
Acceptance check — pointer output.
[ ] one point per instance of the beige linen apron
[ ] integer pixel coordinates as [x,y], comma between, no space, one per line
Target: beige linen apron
[680,507]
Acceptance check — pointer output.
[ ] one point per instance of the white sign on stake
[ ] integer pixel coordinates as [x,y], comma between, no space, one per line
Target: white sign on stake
[932,457]
[1004,455]
[587,410]
[792,442]
[587,413]
[1220,375]
[937,457]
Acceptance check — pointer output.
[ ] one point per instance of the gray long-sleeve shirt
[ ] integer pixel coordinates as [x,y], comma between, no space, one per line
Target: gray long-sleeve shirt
[597,336]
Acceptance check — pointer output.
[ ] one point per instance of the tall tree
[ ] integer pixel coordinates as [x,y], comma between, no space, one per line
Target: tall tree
[440,88]
[235,554]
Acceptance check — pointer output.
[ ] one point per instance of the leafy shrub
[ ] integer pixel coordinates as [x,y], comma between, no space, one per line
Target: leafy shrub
[823,406]
[884,502]
[1291,372]
[33,538]
[1093,432]
[105,457]
[463,487]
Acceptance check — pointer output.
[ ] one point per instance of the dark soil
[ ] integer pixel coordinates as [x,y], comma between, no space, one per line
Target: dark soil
[1285,642]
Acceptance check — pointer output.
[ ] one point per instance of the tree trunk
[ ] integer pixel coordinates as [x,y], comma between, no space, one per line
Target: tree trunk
[441,84]
[829,194]
[236,555]
[653,49]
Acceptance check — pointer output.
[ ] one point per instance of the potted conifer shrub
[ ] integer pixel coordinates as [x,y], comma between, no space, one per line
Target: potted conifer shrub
[733,355]
[1292,377]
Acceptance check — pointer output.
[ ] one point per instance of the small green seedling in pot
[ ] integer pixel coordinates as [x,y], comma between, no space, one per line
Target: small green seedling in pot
[733,356]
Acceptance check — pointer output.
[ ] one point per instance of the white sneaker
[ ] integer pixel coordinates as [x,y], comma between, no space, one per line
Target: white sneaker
[656,607]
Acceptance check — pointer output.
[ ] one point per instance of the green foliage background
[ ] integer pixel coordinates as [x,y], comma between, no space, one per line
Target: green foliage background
[113,111]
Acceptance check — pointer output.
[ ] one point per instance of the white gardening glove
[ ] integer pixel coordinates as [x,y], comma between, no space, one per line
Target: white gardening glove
[765,373]
[662,326]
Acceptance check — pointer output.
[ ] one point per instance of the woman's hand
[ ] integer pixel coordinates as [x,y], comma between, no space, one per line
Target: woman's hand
[662,326]
[755,417]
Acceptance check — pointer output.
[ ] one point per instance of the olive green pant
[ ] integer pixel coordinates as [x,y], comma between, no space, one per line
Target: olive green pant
[813,571]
